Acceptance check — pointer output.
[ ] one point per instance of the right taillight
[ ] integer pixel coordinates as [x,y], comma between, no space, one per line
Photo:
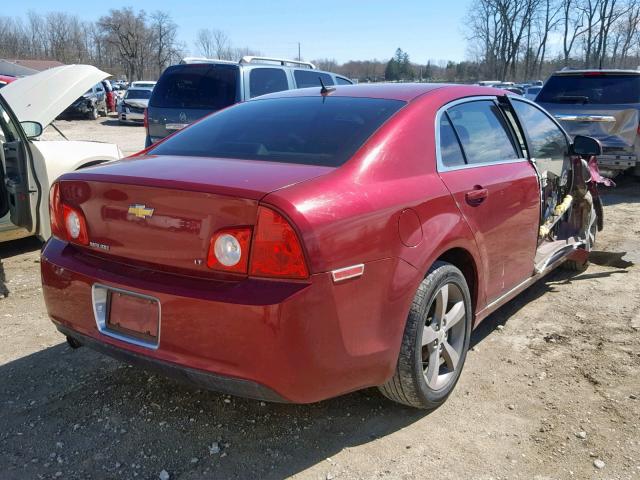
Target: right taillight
[145,118]
[67,222]
[276,250]
[229,250]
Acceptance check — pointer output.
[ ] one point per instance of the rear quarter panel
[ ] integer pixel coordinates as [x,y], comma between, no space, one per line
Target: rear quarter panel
[352,215]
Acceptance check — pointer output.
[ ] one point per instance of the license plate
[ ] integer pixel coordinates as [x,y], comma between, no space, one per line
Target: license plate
[175,126]
[133,315]
[127,316]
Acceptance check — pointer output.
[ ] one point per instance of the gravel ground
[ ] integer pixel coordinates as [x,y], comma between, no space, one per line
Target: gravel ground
[130,138]
[551,390]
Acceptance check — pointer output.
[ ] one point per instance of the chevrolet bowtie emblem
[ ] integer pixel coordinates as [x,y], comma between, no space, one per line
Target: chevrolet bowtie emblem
[140,211]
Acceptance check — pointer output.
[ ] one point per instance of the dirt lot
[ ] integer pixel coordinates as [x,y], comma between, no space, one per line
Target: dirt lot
[130,138]
[550,389]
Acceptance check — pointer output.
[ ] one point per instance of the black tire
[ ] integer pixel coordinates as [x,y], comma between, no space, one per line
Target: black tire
[408,385]
[93,113]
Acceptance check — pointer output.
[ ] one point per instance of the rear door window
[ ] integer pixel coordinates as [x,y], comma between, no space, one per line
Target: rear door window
[311,78]
[483,132]
[343,81]
[591,89]
[318,130]
[197,86]
[267,80]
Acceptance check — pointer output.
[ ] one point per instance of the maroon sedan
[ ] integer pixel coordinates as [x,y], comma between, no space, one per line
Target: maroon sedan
[310,243]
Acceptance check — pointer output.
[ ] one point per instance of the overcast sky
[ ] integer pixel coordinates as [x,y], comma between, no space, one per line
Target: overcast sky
[344,30]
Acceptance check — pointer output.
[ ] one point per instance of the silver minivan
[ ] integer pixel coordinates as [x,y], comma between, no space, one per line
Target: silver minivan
[199,86]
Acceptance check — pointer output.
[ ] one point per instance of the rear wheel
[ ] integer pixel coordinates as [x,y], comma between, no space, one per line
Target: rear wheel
[93,113]
[435,342]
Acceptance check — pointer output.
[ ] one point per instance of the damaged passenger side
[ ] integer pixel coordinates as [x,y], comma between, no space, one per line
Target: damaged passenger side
[568,209]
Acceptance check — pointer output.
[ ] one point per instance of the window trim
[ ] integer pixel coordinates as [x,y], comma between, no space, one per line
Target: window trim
[441,167]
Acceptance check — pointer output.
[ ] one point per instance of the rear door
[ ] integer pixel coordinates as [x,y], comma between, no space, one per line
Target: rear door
[495,188]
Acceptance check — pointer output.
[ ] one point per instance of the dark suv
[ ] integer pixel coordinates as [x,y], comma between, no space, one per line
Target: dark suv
[604,104]
[196,87]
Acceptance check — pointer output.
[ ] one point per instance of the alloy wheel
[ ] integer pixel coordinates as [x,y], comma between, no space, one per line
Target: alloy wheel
[443,336]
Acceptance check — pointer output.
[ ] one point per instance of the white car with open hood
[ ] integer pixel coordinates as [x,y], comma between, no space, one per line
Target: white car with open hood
[28,166]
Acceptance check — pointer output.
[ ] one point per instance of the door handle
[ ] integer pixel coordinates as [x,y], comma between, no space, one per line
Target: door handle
[476,196]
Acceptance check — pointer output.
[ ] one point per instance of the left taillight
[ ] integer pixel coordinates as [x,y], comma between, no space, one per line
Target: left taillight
[67,222]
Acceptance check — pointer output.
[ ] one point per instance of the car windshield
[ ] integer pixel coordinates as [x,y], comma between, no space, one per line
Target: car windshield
[201,86]
[138,94]
[305,130]
[591,89]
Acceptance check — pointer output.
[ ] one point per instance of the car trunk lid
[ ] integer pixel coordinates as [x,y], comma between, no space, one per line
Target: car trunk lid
[162,211]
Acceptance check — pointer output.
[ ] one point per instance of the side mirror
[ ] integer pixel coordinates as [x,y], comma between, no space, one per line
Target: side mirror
[31,129]
[586,146]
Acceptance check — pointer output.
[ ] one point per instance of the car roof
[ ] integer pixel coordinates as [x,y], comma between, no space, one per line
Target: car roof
[610,71]
[250,66]
[391,91]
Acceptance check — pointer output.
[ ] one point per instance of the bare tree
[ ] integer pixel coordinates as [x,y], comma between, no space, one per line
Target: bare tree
[214,43]
[164,32]
[127,32]
[204,42]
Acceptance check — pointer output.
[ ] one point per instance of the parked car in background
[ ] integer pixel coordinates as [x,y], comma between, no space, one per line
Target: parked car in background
[197,87]
[110,96]
[143,84]
[91,104]
[309,243]
[6,79]
[532,92]
[28,165]
[133,104]
[604,104]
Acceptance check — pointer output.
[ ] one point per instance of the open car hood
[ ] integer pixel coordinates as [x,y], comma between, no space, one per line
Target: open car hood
[45,95]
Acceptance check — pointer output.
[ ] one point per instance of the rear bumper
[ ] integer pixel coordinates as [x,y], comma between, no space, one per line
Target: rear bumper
[617,162]
[137,118]
[232,386]
[282,341]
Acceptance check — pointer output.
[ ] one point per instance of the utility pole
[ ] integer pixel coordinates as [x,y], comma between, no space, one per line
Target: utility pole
[299,57]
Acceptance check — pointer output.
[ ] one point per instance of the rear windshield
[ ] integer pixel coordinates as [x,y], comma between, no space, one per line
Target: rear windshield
[201,86]
[138,94]
[594,89]
[305,130]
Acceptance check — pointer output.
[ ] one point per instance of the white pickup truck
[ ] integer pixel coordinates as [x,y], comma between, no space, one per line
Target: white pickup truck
[28,166]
